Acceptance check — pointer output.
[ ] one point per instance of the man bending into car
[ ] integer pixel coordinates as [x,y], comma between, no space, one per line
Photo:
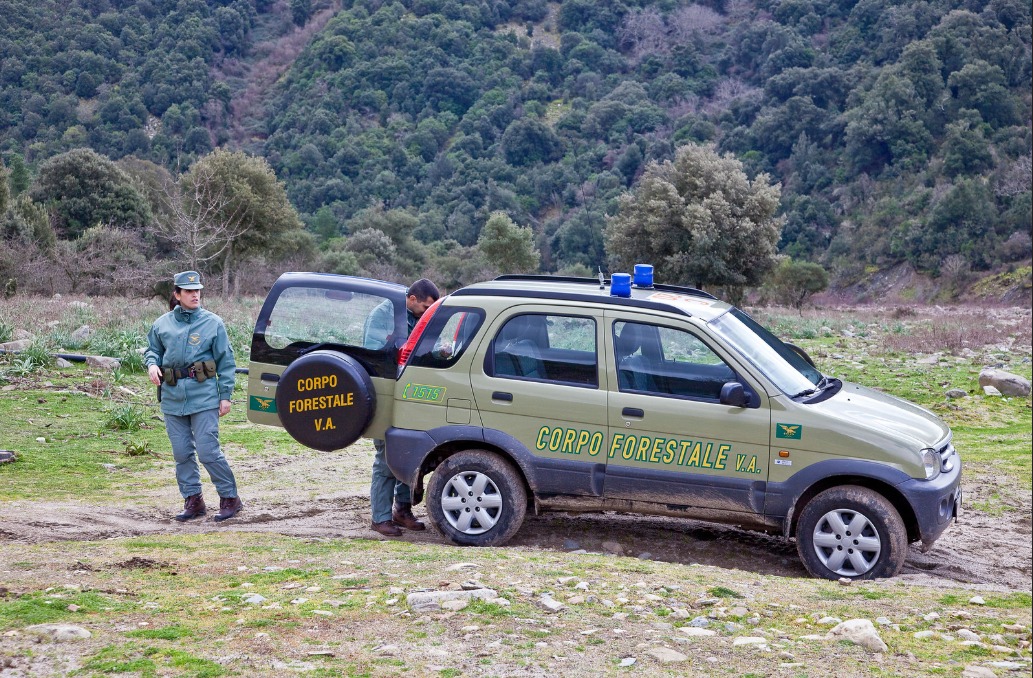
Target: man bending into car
[391,499]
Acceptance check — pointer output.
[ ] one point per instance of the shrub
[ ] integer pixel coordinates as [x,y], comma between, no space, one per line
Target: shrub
[125,418]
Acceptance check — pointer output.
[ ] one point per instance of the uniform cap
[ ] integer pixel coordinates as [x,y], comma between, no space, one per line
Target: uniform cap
[188,280]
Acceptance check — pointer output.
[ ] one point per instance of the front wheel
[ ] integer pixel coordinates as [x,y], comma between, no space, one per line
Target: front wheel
[851,532]
[476,498]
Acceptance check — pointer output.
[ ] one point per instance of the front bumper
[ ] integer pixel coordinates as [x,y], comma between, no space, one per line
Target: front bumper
[935,503]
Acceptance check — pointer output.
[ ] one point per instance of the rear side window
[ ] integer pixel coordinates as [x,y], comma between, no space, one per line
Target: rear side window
[322,316]
[540,347]
[447,337]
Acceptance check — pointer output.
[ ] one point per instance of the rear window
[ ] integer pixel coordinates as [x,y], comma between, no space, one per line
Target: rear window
[322,316]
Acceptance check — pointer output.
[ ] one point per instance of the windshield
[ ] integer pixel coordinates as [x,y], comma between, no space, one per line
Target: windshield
[781,364]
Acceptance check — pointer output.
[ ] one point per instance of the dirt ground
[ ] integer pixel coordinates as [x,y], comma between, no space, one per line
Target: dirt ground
[326,496]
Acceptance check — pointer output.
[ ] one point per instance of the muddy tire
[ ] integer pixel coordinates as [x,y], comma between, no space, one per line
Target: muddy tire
[851,532]
[476,498]
[325,400]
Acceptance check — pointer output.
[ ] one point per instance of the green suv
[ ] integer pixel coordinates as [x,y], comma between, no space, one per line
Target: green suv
[575,394]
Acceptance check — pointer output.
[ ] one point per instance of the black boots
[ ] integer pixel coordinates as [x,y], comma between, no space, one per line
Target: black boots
[402,515]
[193,507]
[228,507]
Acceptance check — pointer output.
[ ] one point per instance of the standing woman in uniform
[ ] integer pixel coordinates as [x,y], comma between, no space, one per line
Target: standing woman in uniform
[190,359]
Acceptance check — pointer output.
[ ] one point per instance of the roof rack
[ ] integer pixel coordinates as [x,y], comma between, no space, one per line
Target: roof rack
[678,289]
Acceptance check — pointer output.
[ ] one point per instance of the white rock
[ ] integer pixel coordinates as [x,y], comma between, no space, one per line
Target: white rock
[749,640]
[253,599]
[920,635]
[59,633]
[627,661]
[693,631]
[430,601]
[550,604]
[966,634]
[932,616]
[977,600]
[974,671]
[454,605]
[830,621]
[860,632]
[666,655]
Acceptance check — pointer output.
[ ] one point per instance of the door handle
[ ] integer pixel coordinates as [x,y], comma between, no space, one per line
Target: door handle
[502,395]
[633,412]
[269,376]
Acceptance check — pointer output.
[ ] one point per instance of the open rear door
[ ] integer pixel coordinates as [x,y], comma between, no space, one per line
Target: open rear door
[324,357]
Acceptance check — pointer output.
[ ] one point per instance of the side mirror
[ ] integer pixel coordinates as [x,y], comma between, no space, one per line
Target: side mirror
[733,394]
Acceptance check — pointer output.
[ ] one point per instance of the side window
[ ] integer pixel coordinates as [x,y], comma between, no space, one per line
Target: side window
[317,316]
[447,337]
[553,348]
[666,361]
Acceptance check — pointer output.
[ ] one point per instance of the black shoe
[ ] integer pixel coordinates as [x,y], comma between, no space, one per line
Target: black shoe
[193,507]
[228,507]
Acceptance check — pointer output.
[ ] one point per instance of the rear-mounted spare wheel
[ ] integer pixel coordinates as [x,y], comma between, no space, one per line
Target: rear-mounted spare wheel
[325,400]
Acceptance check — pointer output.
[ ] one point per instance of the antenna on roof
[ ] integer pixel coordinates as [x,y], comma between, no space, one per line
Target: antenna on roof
[602,285]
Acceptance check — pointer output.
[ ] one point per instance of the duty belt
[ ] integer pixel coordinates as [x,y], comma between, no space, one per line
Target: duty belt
[200,370]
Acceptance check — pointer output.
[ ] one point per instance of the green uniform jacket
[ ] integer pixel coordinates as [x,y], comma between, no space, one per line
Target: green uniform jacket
[180,338]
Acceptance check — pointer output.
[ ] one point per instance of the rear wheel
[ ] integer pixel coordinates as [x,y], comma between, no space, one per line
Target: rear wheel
[476,498]
[851,532]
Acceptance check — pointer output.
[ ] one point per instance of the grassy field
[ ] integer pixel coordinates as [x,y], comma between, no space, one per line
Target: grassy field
[173,604]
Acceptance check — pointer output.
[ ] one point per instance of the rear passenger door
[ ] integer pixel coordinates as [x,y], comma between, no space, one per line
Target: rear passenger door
[673,442]
[540,381]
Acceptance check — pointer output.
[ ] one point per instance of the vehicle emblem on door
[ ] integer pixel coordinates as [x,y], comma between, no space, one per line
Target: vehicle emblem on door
[791,431]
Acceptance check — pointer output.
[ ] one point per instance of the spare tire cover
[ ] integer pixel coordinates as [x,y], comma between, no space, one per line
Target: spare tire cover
[325,400]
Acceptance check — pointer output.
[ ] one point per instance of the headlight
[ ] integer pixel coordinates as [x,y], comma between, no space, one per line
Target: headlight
[931,460]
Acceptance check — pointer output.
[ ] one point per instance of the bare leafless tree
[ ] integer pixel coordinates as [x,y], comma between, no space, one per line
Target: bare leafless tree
[202,221]
[1016,177]
[693,22]
[644,32]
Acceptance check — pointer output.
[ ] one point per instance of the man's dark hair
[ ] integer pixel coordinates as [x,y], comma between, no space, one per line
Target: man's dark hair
[423,288]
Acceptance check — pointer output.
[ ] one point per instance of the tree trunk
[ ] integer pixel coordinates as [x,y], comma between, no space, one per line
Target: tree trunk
[227,260]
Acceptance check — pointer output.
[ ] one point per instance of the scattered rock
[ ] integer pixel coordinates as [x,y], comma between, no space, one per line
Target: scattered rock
[977,600]
[666,655]
[7,456]
[102,362]
[570,545]
[860,632]
[626,662]
[253,599]
[430,601]
[1005,383]
[63,364]
[80,335]
[59,633]
[18,345]
[613,547]
[454,605]
[20,334]
[991,391]
[550,604]
[749,640]
[974,671]
[700,622]
[693,631]
[966,634]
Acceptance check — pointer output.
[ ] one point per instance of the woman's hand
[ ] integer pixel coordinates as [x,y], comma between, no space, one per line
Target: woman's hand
[154,372]
[224,408]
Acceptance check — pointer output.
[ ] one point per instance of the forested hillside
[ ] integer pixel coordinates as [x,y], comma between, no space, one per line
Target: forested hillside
[899,131]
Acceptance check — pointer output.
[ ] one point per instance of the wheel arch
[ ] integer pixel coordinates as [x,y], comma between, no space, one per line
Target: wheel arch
[887,490]
[445,449]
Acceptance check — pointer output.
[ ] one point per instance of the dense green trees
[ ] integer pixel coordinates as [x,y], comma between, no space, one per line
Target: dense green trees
[879,119]
[699,220]
[83,189]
